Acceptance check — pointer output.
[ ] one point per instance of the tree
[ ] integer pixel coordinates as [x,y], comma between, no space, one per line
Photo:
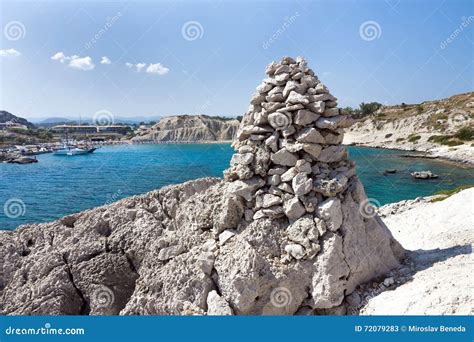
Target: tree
[369,108]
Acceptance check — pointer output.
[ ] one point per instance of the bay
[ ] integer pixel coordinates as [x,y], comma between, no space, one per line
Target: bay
[61,185]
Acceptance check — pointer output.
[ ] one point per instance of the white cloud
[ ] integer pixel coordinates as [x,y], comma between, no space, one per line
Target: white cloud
[105,60]
[84,63]
[60,56]
[140,66]
[75,62]
[9,53]
[157,69]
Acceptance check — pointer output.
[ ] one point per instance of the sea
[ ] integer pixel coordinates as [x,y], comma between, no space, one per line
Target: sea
[60,185]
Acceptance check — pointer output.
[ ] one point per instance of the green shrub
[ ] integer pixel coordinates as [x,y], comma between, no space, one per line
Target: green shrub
[414,138]
[447,140]
[465,134]
[439,139]
[399,139]
[447,193]
[419,109]
[454,142]
[369,108]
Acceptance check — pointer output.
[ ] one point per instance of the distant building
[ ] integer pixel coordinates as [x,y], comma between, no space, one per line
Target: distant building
[111,130]
[12,125]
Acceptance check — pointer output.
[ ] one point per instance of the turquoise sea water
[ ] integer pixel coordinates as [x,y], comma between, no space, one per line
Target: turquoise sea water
[61,185]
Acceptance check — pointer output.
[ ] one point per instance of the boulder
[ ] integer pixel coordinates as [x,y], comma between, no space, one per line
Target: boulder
[301,184]
[217,306]
[310,135]
[293,208]
[284,157]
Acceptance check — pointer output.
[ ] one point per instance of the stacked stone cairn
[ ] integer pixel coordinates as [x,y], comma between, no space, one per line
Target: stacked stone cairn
[290,161]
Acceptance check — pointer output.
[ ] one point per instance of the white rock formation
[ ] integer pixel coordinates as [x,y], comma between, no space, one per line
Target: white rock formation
[437,277]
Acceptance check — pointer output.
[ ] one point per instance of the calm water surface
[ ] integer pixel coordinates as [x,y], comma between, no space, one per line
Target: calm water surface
[61,185]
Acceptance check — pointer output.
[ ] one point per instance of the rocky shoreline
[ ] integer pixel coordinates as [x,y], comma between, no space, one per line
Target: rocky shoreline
[460,160]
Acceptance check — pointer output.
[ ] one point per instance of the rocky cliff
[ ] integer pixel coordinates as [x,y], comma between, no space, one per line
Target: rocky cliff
[442,128]
[288,231]
[191,128]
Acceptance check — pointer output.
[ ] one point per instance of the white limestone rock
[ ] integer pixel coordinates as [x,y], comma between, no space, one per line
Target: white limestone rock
[332,154]
[301,184]
[284,157]
[330,211]
[310,135]
[293,208]
[304,117]
[294,98]
[245,188]
[243,159]
[217,306]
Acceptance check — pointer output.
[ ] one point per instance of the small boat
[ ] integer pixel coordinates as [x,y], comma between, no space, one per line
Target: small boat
[391,171]
[70,151]
[423,175]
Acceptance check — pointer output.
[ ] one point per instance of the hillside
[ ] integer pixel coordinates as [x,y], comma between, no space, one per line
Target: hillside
[190,128]
[441,128]
[6,116]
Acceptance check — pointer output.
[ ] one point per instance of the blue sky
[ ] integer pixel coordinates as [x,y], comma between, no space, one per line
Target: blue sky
[213,67]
